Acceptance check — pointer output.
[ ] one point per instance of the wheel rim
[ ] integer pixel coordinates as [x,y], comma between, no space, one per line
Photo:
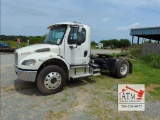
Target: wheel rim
[123,69]
[52,80]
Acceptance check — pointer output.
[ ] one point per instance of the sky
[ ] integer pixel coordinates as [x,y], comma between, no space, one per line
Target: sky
[108,19]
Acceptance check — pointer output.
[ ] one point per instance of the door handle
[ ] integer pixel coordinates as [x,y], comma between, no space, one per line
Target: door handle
[73,46]
[85,53]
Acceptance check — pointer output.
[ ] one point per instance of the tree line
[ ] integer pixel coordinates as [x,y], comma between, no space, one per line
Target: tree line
[39,39]
[32,39]
[113,42]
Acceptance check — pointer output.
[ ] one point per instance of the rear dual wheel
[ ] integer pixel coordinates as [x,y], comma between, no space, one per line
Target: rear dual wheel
[51,79]
[122,68]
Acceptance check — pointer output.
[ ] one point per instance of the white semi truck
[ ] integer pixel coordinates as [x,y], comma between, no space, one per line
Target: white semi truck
[64,55]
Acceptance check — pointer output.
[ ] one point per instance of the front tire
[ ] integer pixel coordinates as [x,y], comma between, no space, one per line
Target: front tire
[51,79]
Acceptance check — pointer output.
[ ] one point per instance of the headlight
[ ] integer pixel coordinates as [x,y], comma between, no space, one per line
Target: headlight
[29,62]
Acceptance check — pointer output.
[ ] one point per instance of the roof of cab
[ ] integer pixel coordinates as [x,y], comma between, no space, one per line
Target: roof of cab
[65,23]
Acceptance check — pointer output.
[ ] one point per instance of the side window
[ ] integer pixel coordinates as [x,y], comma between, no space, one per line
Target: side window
[73,36]
[83,35]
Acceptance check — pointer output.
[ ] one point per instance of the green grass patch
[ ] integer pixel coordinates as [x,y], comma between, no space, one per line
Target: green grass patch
[119,54]
[155,92]
[94,47]
[57,115]
[13,44]
[153,59]
[142,74]
[136,51]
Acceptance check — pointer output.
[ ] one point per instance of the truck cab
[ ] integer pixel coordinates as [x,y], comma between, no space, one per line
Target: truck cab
[65,54]
[73,41]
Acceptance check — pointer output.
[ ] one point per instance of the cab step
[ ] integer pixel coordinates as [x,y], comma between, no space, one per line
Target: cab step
[78,66]
[96,70]
[81,75]
[96,74]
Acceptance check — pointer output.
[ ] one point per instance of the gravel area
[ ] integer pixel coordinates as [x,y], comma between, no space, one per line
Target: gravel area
[80,100]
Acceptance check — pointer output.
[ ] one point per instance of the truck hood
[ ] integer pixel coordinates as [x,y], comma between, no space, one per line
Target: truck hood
[32,49]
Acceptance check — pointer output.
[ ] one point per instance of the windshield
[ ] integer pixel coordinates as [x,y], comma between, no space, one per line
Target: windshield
[55,35]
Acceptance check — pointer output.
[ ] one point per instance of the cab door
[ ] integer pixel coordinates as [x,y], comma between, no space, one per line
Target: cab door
[76,54]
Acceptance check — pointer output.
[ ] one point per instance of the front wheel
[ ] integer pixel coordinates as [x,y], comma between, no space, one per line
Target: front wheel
[51,79]
[122,68]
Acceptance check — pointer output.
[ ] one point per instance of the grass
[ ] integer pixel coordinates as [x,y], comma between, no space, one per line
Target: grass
[72,104]
[155,92]
[64,99]
[119,54]
[143,74]
[94,47]
[153,59]
[61,115]
[17,87]
[13,44]
[104,103]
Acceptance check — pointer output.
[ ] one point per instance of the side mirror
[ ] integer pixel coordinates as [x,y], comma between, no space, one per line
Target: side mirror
[79,39]
[79,29]
[79,35]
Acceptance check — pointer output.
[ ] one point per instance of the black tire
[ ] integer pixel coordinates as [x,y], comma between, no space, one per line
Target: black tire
[122,68]
[51,79]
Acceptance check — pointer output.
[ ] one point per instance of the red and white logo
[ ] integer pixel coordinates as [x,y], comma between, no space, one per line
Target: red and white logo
[131,97]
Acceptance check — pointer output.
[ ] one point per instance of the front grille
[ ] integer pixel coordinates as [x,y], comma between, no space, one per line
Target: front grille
[16,58]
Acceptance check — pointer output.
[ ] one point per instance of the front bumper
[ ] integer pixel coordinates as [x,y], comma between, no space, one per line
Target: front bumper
[25,75]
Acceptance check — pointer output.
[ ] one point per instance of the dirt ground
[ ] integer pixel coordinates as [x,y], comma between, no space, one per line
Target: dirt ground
[86,99]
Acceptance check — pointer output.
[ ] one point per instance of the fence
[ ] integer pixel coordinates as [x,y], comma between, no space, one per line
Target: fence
[151,48]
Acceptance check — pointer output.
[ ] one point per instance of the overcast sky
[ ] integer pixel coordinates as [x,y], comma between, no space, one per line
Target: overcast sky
[108,19]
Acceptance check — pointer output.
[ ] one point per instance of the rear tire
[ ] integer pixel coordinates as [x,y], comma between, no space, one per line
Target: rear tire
[51,79]
[122,68]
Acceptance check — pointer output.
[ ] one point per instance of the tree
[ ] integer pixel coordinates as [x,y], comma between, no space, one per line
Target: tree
[105,43]
[114,42]
[124,42]
[93,43]
[111,42]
